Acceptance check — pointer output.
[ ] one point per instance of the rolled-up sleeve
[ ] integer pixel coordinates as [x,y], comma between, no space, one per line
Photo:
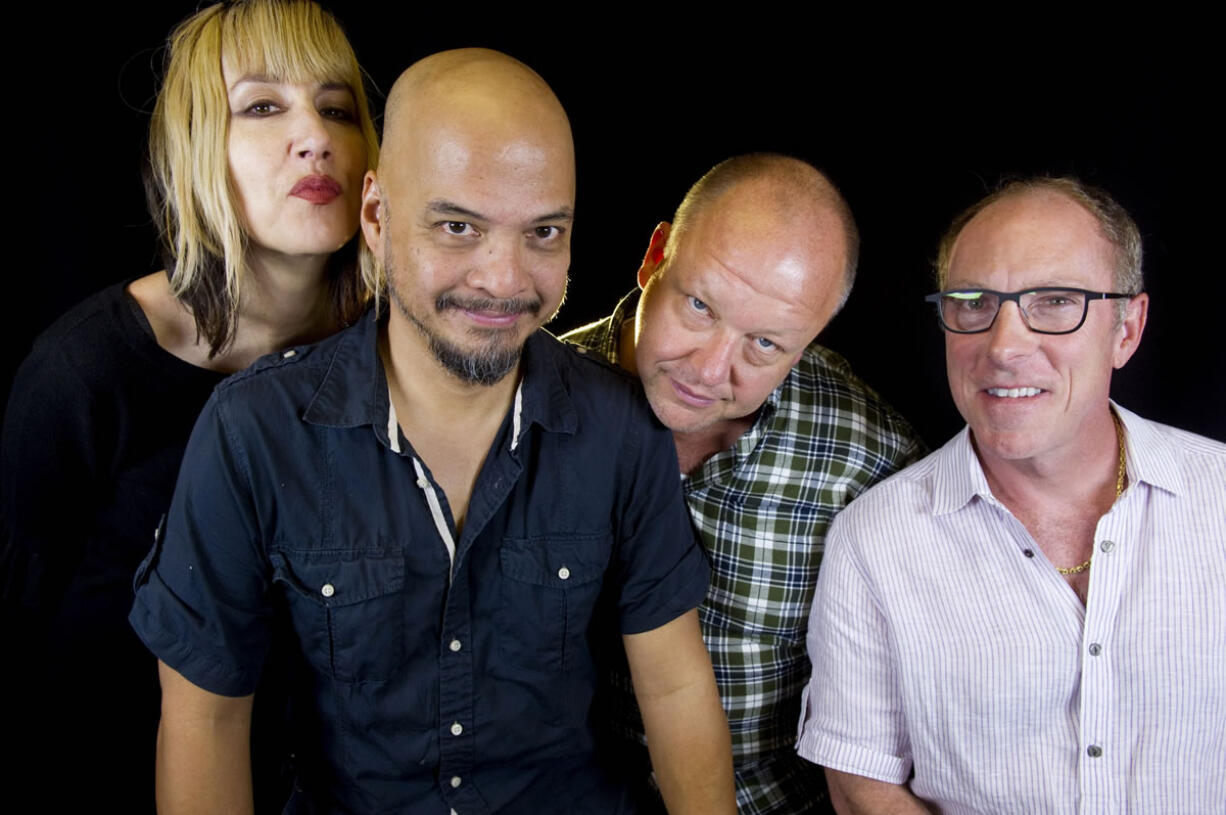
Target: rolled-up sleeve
[201,594]
[852,714]
[663,568]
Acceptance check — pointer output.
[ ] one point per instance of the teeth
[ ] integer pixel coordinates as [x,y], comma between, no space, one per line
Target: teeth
[1014,393]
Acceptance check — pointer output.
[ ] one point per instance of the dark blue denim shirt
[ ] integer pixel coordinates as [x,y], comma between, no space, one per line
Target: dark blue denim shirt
[422,685]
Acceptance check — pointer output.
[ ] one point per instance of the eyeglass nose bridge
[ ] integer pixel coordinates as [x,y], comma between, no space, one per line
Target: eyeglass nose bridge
[1003,297]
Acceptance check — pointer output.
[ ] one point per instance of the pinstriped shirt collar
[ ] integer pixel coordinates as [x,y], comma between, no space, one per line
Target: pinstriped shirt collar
[960,477]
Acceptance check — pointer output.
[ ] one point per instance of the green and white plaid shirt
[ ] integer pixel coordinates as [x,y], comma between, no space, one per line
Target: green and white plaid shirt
[762,508]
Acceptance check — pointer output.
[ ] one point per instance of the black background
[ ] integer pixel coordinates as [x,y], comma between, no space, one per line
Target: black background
[913,118]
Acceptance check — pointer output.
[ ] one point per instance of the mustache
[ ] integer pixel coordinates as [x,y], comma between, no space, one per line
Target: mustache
[510,306]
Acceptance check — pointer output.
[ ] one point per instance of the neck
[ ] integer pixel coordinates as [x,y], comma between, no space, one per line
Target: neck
[284,301]
[431,394]
[694,448]
[1084,478]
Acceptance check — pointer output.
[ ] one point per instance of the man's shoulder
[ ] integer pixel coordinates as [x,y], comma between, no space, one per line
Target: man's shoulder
[294,372]
[591,379]
[822,382]
[910,493]
[822,370]
[1175,458]
[594,339]
[1188,443]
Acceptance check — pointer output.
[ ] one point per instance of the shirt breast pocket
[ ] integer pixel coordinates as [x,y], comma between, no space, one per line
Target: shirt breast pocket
[549,591]
[348,610]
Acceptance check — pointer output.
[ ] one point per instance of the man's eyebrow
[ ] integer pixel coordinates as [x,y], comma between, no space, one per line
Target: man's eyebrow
[444,207]
[563,214]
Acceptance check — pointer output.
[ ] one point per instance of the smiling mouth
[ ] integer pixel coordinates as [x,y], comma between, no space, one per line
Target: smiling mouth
[690,397]
[1014,393]
[489,312]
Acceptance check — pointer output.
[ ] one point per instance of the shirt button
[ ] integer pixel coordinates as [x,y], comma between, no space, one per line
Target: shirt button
[422,483]
[1095,649]
[1028,552]
[457,729]
[455,781]
[563,573]
[1093,751]
[454,645]
[328,590]
[1107,546]
[289,353]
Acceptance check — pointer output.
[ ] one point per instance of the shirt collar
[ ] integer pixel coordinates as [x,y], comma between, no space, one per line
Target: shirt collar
[960,476]
[1151,458]
[608,336]
[353,391]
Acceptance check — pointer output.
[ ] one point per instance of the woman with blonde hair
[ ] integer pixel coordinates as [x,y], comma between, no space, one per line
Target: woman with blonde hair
[259,141]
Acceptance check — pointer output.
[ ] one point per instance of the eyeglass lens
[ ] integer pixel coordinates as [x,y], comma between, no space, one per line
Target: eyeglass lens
[1050,310]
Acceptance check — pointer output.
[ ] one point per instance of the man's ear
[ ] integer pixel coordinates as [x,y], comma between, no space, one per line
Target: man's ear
[1130,330]
[655,253]
[372,214]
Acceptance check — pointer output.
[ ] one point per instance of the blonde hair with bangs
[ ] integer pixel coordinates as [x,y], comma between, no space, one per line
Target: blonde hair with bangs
[191,195]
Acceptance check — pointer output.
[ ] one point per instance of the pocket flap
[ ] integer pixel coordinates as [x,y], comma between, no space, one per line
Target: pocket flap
[555,562]
[339,578]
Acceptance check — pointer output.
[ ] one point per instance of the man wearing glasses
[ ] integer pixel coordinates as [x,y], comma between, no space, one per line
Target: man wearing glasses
[1031,619]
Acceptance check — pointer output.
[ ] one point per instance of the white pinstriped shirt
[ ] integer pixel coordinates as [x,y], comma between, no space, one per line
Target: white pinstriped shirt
[943,641]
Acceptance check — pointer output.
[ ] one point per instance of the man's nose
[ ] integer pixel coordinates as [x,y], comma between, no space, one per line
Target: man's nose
[501,270]
[1010,337]
[713,359]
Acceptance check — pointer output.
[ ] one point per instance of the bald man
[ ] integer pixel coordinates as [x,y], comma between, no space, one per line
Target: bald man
[442,512]
[774,433]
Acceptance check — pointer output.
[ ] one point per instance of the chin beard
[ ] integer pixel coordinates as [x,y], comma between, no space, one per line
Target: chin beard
[482,366]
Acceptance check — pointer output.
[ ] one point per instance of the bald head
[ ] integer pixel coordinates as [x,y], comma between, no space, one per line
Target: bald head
[472,99]
[788,192]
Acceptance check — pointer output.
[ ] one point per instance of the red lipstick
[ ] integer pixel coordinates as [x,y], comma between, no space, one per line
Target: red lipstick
[317,189]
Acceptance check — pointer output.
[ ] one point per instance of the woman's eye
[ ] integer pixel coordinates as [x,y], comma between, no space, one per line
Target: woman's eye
[697,304]
[261,108]
[339,114]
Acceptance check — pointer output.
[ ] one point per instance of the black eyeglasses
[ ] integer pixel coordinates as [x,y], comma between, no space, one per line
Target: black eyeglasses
[1045,310]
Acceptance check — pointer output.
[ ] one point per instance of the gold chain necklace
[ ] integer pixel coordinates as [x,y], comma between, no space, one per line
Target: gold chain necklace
[1119,490]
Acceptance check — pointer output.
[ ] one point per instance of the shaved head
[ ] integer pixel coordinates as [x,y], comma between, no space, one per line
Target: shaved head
[786,190]
[450,99]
